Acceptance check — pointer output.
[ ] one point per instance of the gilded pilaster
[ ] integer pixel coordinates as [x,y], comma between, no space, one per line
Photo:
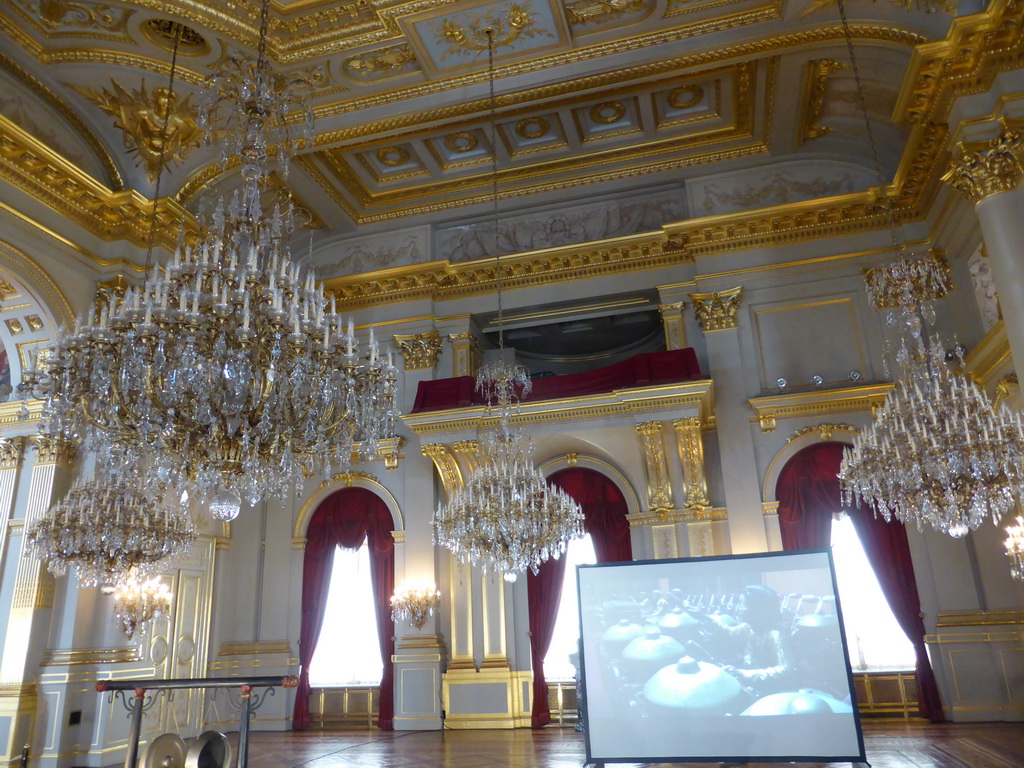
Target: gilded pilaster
[691,456]
[987,168]
[466,357]
[659,487]
[717,311]
[12,450]
[672,320]
[33,584]
[419,350]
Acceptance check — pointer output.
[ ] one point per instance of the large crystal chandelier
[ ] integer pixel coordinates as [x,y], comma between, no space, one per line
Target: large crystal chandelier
[506,518]
[936,452]
[108,527]
[229,372]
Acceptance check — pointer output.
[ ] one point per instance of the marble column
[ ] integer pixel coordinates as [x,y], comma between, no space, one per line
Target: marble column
[718,316]
[989,175]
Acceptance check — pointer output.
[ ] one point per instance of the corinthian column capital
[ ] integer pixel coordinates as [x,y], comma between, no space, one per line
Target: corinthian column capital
[988,168]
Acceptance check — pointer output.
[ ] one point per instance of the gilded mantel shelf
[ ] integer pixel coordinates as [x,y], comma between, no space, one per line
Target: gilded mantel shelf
[693,398]
[819,402]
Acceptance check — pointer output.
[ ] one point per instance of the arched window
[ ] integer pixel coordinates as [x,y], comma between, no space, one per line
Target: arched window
[565,638]
[604,519]
[348,651]
[347,519]
[809,495]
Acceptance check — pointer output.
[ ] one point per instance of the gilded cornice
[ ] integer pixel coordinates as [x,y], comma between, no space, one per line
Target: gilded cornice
[444,281]
[689,398]
[768,410]
[30,81]
[11,414]
[34,168]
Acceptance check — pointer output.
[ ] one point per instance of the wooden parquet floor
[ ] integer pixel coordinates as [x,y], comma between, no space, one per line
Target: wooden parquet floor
[888,745]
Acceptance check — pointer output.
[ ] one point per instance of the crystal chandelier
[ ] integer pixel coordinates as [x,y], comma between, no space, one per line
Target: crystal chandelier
[1015,548]
[936,451]
[414,602]
[105,528]
[506,518]
[228,373]
[138,601]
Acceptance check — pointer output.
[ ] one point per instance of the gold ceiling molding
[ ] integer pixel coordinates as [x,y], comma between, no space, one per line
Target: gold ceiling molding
[443,281]
[35,169]
[84,131]
[126,60]
[718,56]
[976,49]
[813,102]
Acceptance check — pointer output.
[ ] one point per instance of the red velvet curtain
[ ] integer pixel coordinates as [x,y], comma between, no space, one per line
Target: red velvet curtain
[808,491]
[604,518]
[346,518]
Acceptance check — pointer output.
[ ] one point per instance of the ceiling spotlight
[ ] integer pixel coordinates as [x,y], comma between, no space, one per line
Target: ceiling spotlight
[781,382]
[818,381]
[854,375]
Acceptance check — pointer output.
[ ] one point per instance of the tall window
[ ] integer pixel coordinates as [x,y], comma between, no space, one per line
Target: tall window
[873,636]
[567,626]
[348,652]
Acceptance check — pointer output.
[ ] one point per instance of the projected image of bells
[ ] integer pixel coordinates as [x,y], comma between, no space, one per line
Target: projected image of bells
[644,656]
[694,686]
[803,702]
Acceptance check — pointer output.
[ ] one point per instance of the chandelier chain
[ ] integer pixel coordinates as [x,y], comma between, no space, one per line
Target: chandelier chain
[163,149]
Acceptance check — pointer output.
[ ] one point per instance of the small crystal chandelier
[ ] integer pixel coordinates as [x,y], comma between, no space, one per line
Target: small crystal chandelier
[936,451]
[138,601]
[228,373]
[506,518]
[108,527]
[414,602]
[1015,548]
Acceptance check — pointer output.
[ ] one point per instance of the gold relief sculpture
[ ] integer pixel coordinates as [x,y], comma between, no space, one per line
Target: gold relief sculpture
[349,478]
[572,459]
[419,350]
[659,487]
[685,96]
[463,141]
[393,156]
[1005,389]
[893,298]
[691,456]
[532,127]
[12,450]
[53,450]
[141,118]
[717,311]
[815,79]
[607,113]
[14,326]
[825,431]
[6,290]
[587,11]
[383,61]
[35,322]
[988,168]
[55,14]
[471,37]
[165,32]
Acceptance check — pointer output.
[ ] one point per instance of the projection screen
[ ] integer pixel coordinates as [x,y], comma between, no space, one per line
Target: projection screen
[716,659]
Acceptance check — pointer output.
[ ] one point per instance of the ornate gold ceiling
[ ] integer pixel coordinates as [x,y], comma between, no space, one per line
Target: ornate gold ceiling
[594,97]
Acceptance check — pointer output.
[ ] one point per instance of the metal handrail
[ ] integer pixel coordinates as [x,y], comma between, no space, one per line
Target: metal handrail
[247,706]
